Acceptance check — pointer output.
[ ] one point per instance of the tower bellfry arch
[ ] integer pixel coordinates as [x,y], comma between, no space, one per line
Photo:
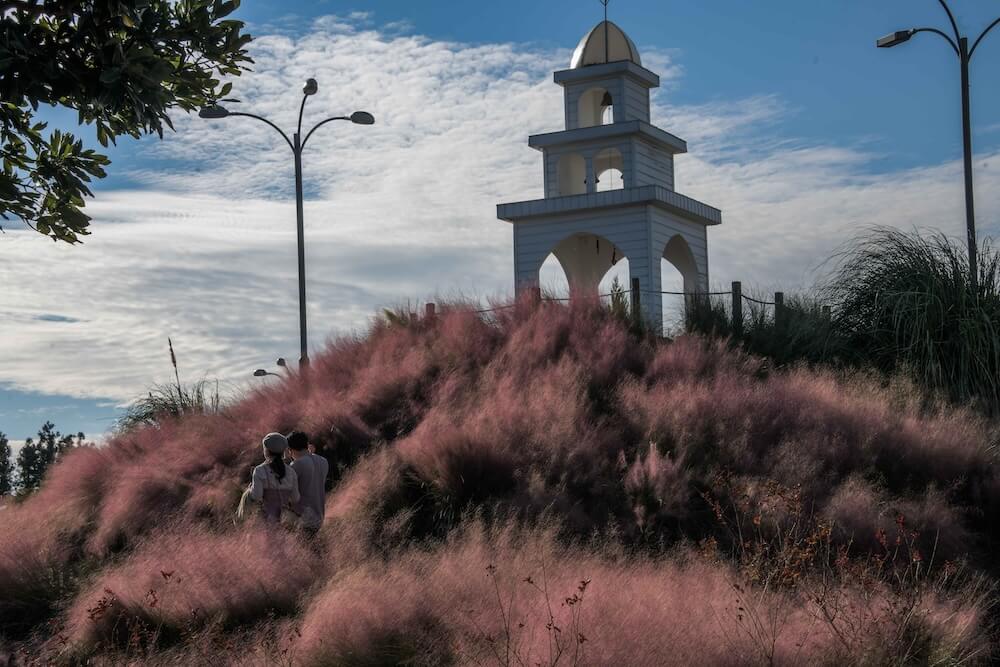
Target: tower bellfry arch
[609,183]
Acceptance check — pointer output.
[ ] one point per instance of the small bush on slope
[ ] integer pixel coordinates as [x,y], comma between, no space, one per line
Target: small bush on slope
[187,578]
[539,411]
[42,536]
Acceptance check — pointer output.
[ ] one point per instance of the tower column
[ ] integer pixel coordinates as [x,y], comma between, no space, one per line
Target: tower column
[646,268]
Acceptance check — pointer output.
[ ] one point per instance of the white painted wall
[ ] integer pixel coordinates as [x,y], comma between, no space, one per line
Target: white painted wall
[585,243]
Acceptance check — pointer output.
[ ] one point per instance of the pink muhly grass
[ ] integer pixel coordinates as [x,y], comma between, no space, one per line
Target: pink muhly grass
[163,472]
[658,488]
[188,577]
[492,441]
[692,358]
[42,536]
[364,489]
[33,553]
[142,497]
[806,428]
[580,332]
[489,593]
[552,411]
[875,522]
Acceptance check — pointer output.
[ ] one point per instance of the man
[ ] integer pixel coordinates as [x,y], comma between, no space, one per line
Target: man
[311,471]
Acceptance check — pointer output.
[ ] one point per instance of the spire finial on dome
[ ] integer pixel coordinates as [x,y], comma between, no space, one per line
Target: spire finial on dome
[607,48]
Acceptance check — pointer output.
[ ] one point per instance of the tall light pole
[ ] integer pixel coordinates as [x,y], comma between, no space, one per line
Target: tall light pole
[961,46]
[297,145]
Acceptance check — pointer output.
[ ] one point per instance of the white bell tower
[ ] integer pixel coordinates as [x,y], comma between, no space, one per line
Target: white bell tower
[609,183]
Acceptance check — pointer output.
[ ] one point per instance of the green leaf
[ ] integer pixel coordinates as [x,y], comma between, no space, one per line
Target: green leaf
[122,65]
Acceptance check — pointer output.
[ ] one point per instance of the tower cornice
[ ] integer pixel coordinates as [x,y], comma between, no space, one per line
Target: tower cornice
[605,70]
[652,195]
[655,135]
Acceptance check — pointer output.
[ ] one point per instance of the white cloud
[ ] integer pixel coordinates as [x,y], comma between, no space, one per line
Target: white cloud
[205,251]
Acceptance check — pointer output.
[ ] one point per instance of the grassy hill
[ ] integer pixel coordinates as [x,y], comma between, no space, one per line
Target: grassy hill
[541,486]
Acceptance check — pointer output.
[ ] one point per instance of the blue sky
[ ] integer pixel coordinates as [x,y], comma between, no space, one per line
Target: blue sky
[799,129]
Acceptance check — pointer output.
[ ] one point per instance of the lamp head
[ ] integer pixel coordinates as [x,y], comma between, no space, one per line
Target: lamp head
[894,39]
[259,373]
[310,87]
[362,118]
[281,362]
[214,111]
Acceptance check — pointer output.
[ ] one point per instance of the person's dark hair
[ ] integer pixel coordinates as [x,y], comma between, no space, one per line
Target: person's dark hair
[277,464]
[298,440]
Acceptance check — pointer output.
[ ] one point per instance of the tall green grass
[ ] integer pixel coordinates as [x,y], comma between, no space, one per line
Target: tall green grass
[170,402]
[802,332]
[164,401]
[904,301]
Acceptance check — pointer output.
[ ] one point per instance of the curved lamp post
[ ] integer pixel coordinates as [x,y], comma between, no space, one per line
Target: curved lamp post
[297,145]
[263,372]
[961,47]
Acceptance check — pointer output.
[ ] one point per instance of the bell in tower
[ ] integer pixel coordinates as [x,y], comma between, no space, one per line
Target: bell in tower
[608,179]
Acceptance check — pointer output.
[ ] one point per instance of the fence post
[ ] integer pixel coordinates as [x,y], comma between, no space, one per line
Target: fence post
[429,310]
[737,307]
[636,299]
[779,310]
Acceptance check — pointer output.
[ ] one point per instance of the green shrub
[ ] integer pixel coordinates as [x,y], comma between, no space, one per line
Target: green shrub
[905,302]
[803,332]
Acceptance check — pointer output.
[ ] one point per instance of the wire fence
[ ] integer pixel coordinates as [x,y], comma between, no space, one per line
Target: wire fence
[548,299]
[758,301]
[644,291]
[734,310]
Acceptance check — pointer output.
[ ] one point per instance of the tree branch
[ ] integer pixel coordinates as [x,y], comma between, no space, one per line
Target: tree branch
[36,9]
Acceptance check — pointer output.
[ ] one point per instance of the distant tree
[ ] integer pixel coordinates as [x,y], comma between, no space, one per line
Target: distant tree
[36,456]
[6,467]
[122,66]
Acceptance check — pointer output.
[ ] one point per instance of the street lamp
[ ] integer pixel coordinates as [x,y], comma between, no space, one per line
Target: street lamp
[281,363]
[961,46]
[297,145]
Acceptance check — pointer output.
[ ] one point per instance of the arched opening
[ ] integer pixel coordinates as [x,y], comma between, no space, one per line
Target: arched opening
[596,107]
[552,278]
[572,175]
[586,260]
[678,273]
[618,275]
[609,170]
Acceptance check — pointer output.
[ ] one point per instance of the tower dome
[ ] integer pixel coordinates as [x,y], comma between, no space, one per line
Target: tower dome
[592,50]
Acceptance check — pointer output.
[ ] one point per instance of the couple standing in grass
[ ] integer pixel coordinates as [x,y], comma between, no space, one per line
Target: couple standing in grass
[298,486]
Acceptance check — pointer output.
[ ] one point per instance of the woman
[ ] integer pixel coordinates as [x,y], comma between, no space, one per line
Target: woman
[273,484]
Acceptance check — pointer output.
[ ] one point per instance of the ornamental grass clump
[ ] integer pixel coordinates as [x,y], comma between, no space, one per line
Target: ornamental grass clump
[905,301]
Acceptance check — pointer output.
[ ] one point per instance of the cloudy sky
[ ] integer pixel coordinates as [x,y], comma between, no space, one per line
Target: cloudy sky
[798,129]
